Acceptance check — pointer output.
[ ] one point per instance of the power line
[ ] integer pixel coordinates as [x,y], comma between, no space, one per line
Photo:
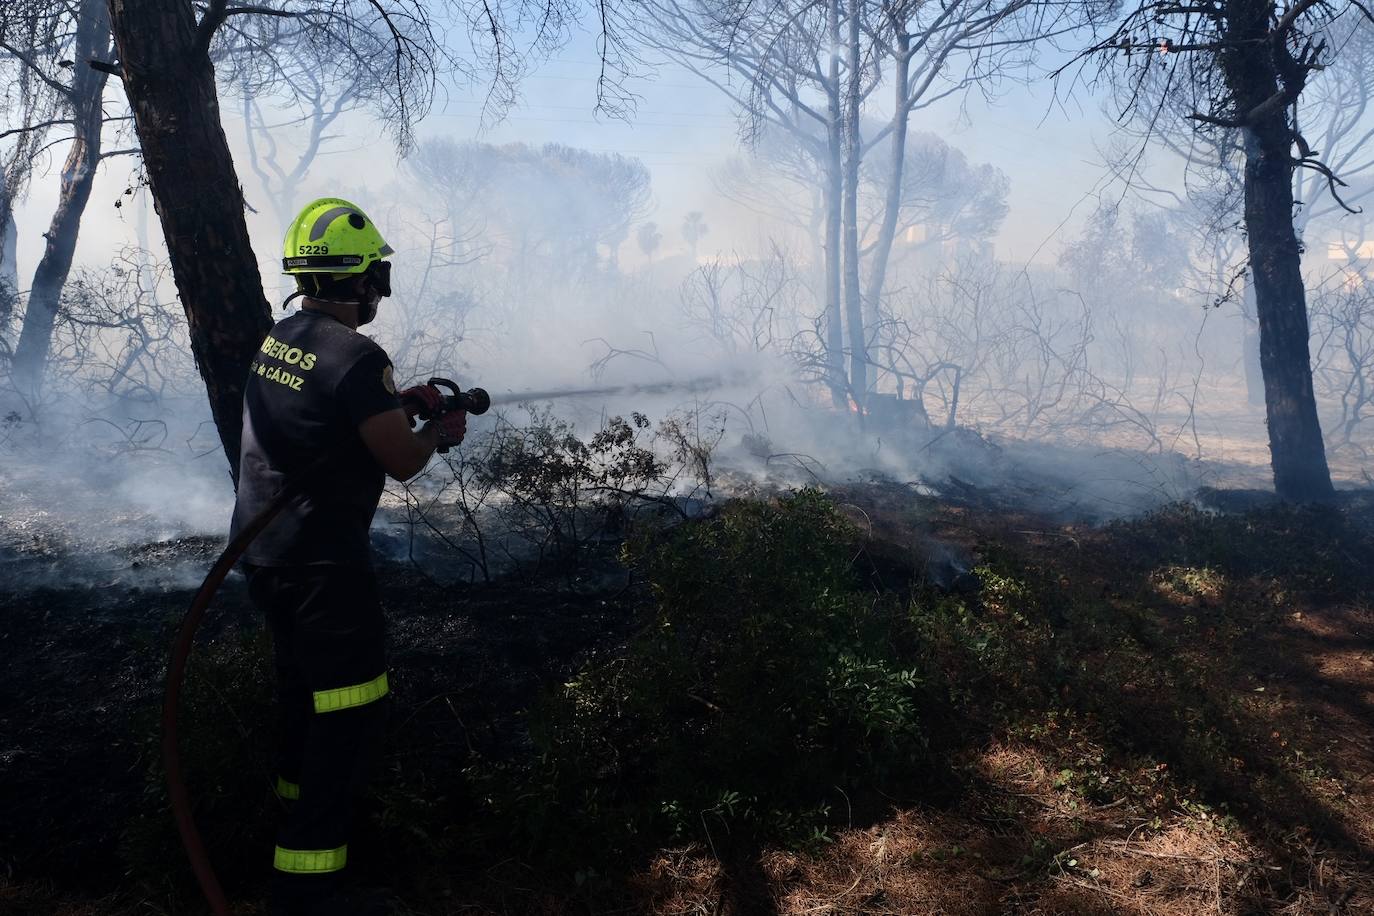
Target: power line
[584,108]
[593,79]
[515,119]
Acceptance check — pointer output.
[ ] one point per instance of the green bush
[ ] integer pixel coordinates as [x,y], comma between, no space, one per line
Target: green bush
[561,492]
[225,747]
[767,690]
[1314,548]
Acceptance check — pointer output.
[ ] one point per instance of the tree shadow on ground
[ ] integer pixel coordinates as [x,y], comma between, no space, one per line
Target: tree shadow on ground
[1248,680]
[1141,644]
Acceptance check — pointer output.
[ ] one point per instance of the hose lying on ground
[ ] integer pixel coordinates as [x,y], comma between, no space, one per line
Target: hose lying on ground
[475,401]
[176,676]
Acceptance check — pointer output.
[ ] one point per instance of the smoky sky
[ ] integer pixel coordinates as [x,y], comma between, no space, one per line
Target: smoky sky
[681,129]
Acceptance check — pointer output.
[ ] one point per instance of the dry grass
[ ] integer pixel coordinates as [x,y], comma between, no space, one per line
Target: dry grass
[1291,664]
[1057,855]
[1267,806]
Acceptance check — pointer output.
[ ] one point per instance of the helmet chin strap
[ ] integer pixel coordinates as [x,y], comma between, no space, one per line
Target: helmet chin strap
[367,309]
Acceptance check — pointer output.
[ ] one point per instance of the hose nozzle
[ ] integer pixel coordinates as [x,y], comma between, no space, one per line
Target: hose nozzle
[474,400]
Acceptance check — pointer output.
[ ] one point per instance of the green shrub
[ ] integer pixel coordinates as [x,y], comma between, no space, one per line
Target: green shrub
[562,492]
[225,745]
[1314,548]
[767,690]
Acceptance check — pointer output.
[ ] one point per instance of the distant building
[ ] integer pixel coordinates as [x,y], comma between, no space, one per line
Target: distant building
[1336,251]
[929,248]
[1355,261]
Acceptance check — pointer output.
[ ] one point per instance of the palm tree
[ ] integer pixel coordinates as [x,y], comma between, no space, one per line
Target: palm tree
[649,239]
[693,229]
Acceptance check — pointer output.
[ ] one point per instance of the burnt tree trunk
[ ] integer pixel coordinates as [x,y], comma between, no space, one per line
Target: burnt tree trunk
[1250,348]
[83,100]
[892,206]
[1250,67]
[171,87]
[853,151]
[834,194]
[1296,449]
[9,273]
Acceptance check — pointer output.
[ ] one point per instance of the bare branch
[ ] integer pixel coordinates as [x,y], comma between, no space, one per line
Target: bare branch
[28,60]
[1332,181]
[210,21]
[28,128]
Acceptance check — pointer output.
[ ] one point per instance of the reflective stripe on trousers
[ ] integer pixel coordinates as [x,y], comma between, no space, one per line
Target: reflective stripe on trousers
[348,697]
[310,861]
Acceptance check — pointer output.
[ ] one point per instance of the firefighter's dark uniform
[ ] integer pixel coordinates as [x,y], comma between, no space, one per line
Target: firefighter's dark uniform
[310,572]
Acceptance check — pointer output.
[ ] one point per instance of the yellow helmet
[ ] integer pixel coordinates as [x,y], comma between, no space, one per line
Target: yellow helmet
[332,236]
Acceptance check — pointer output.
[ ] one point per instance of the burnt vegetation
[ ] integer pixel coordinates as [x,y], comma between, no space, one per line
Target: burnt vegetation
[868,572]
[1041,714]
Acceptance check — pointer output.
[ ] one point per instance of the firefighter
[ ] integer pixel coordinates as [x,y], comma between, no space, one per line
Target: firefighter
[321,400]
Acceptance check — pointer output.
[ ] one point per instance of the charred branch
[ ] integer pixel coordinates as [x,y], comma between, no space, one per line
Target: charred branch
[1332,180]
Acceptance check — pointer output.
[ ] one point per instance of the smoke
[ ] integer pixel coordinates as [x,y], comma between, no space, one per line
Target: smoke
[112,489]
[92,516]
[1099,381]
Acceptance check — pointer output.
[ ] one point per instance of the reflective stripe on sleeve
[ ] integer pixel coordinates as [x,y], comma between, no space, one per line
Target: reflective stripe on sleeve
[310,861]
[288,790]
[348,697]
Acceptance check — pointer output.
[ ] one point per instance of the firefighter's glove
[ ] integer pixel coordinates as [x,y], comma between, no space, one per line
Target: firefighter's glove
[424,401]
[452,427]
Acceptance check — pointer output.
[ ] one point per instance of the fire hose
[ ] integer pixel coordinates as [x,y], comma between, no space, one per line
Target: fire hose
[474,401]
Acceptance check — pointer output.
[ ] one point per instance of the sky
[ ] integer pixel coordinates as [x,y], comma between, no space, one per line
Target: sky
[1049,146]
[682,129]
